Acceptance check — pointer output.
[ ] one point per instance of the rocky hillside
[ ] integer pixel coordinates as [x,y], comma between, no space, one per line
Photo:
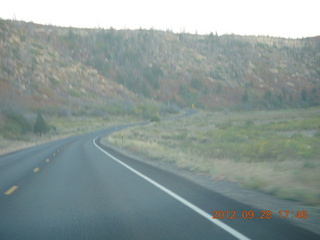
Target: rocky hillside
[35,74]
[67,68]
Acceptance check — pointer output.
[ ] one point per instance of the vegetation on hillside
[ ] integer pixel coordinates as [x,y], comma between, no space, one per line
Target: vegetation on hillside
[69,72]
[14,125]
[74,70]
[209,71]
[40,126]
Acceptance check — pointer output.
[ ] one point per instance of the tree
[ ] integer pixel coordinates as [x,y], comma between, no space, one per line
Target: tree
[268,96]
[245,97]
[304,95]
[14,125]
[196,83]
[40,125]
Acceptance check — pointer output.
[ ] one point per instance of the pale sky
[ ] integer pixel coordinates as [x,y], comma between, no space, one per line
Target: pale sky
[278,18]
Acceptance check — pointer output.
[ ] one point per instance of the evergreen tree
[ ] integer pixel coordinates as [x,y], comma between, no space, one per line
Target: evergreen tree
[245,97]
[304,95]
[40,125]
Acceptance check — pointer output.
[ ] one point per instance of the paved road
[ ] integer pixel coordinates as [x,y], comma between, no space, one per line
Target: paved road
[72,189]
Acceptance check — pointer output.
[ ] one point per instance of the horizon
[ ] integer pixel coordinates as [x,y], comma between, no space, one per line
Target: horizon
[155,29]
[284,19]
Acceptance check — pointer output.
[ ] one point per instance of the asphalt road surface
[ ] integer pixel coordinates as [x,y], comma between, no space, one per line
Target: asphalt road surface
[77,189]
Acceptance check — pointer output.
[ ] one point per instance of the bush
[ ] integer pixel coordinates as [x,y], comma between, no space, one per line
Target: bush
[249,123]
[19,120]
[15,126]
[12,131]
[40,125]
[168,109]
[155,118]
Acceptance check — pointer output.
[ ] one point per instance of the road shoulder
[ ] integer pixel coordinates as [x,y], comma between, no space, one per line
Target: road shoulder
[253,198]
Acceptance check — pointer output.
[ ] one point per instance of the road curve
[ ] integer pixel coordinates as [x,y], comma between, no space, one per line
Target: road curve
[78,189]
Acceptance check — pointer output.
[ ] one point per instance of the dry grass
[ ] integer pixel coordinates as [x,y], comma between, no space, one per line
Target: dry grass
[65,127]
[267,151]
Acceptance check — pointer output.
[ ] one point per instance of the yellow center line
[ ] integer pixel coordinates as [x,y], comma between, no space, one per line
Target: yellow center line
[47,160]
[36,169]
[11,190]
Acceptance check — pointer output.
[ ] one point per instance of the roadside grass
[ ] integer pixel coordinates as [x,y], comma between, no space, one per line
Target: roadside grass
[276,152]
[76,125]
[65,127]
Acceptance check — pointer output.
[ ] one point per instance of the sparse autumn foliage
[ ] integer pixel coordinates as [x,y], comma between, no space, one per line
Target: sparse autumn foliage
[83,67]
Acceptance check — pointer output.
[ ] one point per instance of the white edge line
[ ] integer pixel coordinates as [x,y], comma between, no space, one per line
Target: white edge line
[220,224]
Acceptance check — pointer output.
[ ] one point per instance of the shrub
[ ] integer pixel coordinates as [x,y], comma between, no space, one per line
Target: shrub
[249,123]
[40,125]
[155,118]
[19,120]
[12,131]
[317,134]
[15,125]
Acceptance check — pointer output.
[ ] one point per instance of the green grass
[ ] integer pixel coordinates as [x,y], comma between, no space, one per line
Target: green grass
[276,152]
[260,143]
[293,125]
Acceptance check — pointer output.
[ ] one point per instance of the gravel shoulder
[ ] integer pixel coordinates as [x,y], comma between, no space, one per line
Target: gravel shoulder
[232,190]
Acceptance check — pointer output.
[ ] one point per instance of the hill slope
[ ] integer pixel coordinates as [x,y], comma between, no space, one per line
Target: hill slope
[56,66]
[37,75]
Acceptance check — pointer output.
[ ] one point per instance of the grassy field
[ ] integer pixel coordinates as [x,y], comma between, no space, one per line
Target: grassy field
[276,152]
[64,127]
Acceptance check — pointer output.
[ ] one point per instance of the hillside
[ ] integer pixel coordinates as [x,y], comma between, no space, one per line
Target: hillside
[35,74]
[76,70]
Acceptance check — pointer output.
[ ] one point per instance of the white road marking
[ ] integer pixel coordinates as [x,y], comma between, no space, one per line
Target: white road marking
[198,210]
